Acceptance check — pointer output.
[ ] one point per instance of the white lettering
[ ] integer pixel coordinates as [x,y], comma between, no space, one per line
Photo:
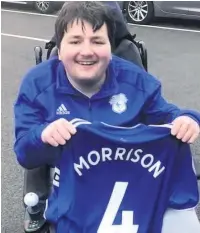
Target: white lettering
[129,155]
[146,158]
[119,153]
[156,168]
[137,155]
[106,153]
[82,163]
[96,157]
[55,175]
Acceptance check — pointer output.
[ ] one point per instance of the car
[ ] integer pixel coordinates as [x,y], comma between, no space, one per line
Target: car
[44,7]
[143,12]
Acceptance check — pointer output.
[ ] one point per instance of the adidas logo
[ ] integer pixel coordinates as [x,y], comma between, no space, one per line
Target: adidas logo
[62,110]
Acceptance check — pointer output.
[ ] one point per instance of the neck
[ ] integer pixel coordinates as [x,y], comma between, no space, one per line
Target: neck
[87,89]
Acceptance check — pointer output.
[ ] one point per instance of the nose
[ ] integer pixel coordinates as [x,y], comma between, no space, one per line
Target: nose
[86,49]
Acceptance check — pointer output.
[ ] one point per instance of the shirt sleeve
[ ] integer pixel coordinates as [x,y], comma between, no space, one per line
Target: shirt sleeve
[31,152]
[184,187]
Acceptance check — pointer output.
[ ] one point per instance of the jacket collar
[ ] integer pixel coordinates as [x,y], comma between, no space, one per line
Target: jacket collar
[109,88]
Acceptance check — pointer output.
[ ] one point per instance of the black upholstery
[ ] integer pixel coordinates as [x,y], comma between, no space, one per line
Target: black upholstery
[129,51]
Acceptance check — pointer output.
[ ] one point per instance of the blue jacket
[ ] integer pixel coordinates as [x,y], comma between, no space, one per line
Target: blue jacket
[129,96]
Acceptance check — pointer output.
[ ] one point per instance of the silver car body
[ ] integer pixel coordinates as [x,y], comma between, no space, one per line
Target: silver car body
[173,9]
[177,9]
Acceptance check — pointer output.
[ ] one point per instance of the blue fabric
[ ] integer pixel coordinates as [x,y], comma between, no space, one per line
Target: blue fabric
[129,96]
[156,167]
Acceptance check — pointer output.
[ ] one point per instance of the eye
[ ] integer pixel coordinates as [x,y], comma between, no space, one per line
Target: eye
[99,42]
[74,42]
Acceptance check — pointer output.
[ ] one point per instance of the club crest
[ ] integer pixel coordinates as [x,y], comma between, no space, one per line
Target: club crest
[119,103]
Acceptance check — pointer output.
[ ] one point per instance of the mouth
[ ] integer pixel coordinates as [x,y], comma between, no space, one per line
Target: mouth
[86,63]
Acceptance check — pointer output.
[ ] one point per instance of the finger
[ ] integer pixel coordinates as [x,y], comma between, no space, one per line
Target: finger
[64,132]
[68,125]
[58,138]
[187,136]
[175,127]
[182,131]
[63,129]
[46,133]
[52,142]
[193,138]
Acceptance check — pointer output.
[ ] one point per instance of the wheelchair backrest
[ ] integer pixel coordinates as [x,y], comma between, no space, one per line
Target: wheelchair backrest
[128,50]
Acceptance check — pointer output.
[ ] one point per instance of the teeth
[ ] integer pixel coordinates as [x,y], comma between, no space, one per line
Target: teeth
[86,62]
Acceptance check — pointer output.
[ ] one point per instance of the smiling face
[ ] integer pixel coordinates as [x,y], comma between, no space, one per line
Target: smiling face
[85,53]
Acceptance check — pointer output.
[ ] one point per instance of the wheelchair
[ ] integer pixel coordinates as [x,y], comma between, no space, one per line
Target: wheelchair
[131,50]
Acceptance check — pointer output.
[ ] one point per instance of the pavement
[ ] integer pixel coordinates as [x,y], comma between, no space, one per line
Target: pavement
[173,57]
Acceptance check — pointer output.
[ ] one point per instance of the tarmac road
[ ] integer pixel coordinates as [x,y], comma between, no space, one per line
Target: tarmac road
[173,56]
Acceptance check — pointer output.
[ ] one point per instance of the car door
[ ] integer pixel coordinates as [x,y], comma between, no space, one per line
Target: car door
[174,7]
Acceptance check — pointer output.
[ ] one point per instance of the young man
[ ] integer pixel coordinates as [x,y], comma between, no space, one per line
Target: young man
[86,81]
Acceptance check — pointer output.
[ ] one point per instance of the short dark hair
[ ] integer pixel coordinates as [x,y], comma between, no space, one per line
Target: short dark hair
[93,12]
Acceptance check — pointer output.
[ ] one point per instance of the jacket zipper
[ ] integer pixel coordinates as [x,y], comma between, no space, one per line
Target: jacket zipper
[90,110]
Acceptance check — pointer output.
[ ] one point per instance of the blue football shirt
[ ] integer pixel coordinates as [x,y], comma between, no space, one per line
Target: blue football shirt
[120,180]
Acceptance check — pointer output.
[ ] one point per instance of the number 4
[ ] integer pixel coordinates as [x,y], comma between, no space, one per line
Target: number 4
[106,225]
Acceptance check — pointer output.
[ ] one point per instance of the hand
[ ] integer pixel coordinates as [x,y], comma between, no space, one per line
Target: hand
[58,132]
[186,129]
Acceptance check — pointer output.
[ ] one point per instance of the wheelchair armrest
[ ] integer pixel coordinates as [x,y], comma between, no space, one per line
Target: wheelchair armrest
[38,54]
[143,52]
